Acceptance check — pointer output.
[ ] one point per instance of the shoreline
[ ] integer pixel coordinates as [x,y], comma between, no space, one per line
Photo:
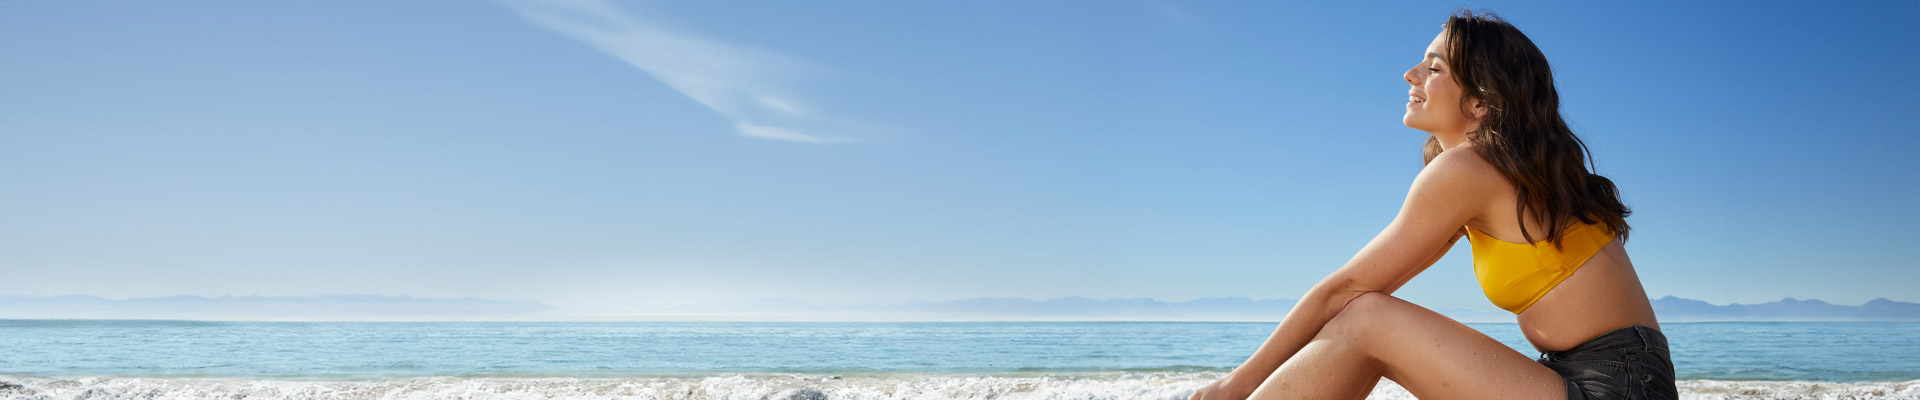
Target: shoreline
[791,386]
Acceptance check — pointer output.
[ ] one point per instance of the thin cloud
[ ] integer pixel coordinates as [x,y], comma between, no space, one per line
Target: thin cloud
[776,133]
[737,82]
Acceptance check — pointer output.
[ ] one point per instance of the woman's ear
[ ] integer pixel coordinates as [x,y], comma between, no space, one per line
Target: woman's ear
[1478,107]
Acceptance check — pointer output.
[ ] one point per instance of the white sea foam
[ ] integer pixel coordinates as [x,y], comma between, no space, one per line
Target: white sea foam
[1713,389]
[1173,386]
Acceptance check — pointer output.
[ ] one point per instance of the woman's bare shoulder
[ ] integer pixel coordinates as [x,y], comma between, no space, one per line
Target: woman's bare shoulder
[1465,163]
[1477,185]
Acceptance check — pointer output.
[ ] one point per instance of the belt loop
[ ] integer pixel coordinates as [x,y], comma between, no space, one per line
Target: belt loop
[1646,344]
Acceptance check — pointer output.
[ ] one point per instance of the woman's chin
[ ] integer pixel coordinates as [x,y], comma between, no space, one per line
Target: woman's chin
[1416,125]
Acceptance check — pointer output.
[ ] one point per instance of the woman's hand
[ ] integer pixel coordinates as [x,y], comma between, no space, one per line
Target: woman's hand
[1224,389]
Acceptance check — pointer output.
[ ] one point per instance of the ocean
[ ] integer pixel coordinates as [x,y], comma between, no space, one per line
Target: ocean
[66,359]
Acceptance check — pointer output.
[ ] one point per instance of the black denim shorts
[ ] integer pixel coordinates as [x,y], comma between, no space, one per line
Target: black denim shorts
[1628,363]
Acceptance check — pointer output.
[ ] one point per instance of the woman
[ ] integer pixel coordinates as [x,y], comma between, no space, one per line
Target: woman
[1504,170]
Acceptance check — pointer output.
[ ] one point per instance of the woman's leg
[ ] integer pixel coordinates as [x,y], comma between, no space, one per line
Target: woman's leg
[1429,354]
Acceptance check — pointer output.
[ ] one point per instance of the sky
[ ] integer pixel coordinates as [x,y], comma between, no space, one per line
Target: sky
[615,156]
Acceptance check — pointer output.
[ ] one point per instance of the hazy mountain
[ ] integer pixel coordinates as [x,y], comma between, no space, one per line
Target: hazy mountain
[340,307]
[1678,309]
[1058,309]
[1209,308]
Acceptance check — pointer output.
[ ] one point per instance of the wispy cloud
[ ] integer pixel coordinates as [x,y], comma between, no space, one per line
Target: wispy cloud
[741,83]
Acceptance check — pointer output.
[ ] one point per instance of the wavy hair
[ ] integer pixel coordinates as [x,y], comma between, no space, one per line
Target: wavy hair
[1523,134]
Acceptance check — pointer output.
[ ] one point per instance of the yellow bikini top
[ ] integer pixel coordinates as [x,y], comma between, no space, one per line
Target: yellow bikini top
[1515,275]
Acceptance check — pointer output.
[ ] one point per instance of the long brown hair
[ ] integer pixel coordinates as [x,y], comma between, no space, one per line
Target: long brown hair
[1523,134]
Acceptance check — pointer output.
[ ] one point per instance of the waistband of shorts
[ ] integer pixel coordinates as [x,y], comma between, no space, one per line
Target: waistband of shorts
[1628,337]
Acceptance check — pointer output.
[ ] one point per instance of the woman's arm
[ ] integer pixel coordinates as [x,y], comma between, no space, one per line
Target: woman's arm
[1446,194]
[1270,355]
[1430,261]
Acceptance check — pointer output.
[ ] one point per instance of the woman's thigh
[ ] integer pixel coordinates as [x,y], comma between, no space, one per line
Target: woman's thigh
[1436,357]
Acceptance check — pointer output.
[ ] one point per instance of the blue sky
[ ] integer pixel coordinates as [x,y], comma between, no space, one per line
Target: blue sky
[612,156]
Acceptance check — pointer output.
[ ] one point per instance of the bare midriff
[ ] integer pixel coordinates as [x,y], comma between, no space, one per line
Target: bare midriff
[1604,294]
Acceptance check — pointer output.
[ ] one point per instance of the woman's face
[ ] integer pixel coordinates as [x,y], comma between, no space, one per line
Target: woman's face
[1433,104]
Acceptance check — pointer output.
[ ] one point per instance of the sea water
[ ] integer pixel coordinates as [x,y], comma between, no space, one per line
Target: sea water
[57,359]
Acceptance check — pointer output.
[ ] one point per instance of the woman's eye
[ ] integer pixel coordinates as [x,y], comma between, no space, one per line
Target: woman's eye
[1433,69]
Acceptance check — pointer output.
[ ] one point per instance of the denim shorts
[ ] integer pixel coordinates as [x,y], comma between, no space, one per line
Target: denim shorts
[1628,363]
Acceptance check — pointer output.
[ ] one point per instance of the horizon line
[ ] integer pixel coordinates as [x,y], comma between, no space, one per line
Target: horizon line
[816,302]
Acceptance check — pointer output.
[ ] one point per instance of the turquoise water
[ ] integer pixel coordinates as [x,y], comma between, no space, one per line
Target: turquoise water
[1826,351]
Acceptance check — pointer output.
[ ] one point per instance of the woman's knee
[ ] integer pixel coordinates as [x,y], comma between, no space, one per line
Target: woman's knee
[1364,312]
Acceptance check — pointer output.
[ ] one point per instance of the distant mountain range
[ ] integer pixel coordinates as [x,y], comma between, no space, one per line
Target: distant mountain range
[1678,309]
[299,308]
[1206,308]
[379,308]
